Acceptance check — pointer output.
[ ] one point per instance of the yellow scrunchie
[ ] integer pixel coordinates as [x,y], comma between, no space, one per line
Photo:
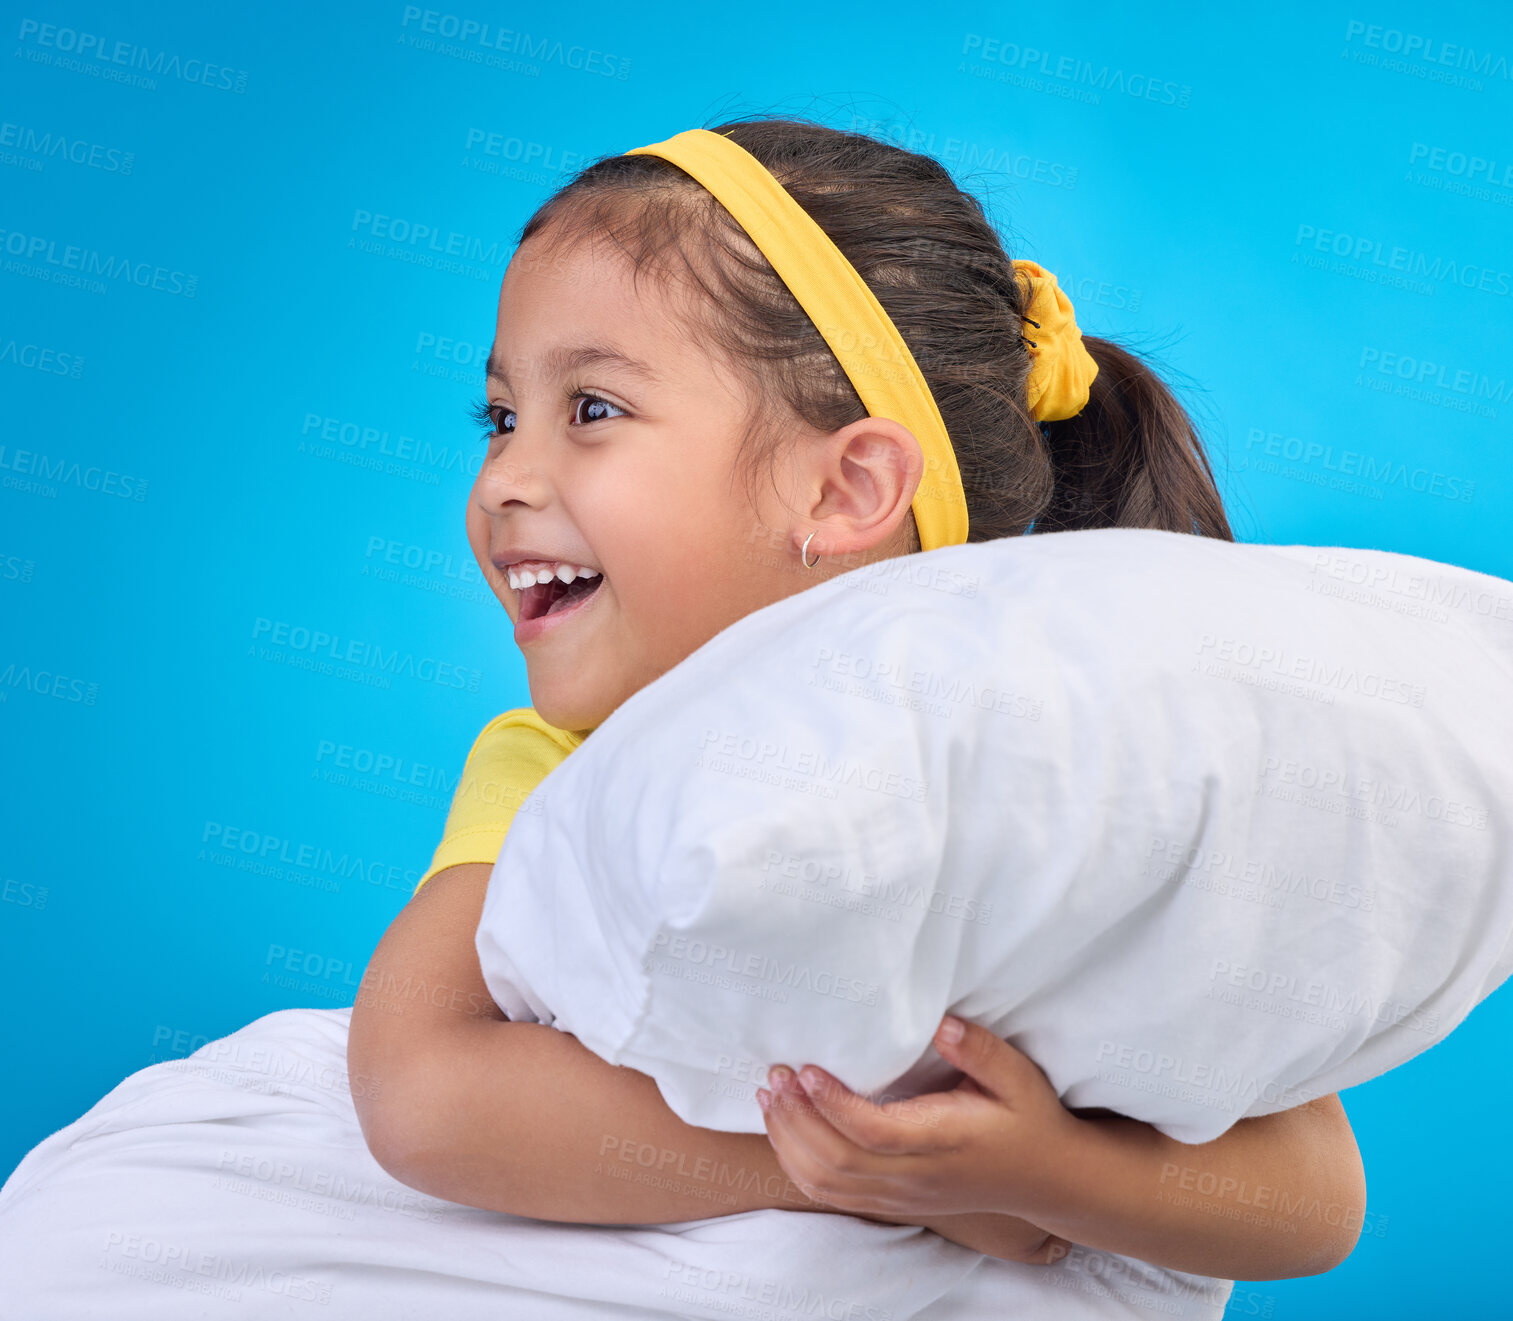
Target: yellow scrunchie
[862,335]
[1063,370]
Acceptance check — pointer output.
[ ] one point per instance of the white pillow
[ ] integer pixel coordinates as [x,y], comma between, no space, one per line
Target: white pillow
[1205,829]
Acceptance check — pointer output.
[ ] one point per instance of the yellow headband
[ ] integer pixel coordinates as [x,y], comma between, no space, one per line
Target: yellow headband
[861,334]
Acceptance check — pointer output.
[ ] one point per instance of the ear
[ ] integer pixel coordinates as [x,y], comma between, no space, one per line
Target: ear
[864,476]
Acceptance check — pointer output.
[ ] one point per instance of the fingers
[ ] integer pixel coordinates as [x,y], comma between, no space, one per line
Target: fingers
[803,1134]
[895,1128]
[828,1167]
[825,1165]
[995,1066]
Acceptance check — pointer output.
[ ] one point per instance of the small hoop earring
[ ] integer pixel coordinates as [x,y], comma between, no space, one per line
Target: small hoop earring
[804,554]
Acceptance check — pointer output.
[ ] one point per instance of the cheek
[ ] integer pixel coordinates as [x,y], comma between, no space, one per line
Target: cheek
[477,524]
[675,604]
[650,577]
[478,529]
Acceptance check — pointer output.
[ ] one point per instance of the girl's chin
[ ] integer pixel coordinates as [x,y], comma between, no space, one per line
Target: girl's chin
[562,703]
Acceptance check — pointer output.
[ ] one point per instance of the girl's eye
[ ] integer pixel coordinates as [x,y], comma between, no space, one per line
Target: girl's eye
[596,407]
[497,420]
[492,418]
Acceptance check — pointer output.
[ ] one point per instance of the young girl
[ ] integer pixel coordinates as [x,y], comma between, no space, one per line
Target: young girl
[672,444]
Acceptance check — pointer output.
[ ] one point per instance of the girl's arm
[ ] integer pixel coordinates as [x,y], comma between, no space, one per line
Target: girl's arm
[458,1102]
[520,1118]
[1276,1196]
[517,1117]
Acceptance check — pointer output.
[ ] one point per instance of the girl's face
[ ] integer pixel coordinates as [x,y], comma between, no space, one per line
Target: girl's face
[614,449]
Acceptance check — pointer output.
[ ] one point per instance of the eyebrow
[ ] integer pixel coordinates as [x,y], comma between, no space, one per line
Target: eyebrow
[569,358]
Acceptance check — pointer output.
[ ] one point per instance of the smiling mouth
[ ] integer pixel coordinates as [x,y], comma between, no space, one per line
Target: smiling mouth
[549,597]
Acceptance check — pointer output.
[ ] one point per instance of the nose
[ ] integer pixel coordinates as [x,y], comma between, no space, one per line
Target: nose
[511,475]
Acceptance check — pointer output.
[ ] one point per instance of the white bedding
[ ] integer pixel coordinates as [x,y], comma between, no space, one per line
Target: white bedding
[1205,829]
[242,1170]
[236,1183]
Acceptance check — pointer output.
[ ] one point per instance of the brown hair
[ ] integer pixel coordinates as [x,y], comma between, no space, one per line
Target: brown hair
[1131,458]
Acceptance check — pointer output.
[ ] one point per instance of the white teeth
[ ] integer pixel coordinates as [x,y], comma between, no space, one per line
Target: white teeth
[520,579]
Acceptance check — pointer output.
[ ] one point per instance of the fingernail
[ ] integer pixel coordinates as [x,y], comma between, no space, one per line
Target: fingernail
[779,1076]
[950,1029]
[810,1081]
[764,1097]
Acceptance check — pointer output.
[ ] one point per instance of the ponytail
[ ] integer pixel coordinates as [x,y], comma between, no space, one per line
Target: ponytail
[1130,458]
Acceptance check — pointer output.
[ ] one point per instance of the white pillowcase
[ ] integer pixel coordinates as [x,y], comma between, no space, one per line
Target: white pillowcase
[1205,829]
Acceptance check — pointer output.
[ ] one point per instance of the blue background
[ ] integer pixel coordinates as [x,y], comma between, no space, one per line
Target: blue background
[1185,222]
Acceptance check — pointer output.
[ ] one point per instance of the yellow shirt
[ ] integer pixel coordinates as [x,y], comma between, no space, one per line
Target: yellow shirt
[512,755]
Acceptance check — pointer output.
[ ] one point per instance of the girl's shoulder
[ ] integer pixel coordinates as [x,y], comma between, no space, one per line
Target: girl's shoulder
[521,727]
[514,752]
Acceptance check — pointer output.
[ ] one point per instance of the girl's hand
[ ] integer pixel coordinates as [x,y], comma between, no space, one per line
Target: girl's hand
[992,1144]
